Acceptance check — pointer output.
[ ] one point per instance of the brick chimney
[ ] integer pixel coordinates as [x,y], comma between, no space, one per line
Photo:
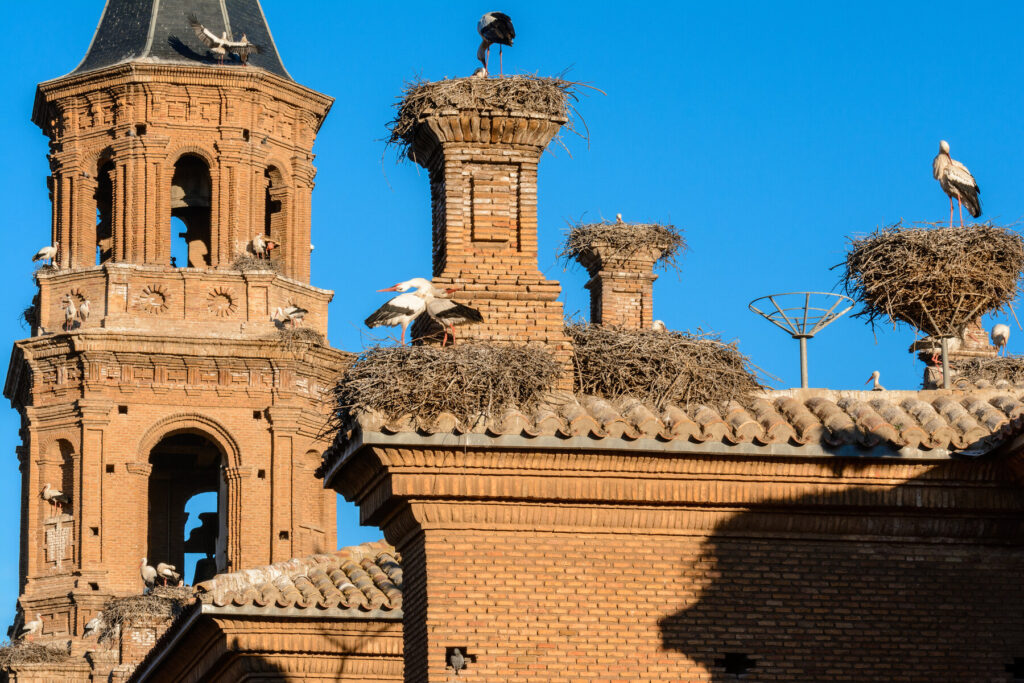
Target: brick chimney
[483,188]
[621,284]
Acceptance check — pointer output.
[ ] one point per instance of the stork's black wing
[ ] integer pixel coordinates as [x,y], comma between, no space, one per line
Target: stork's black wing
[460,312]
[204,34]
[387,315]
[499,29]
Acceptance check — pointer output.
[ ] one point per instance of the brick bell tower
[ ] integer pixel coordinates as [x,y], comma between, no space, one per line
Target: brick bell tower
[178,381]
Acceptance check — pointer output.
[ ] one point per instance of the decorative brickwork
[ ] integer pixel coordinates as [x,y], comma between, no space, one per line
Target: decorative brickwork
[621,285]
[483,188]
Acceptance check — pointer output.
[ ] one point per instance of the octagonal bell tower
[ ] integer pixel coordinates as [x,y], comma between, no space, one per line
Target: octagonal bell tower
[179,380]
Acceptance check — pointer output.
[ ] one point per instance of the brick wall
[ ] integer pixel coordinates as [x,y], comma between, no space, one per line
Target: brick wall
[610,566]
[621,285]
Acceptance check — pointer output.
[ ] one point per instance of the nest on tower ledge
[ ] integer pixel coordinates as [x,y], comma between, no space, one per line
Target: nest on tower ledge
[625,239]
[469,381]
[937,279]
[547,96]
[161,603]
[27,652]
[659,368]
[248,263]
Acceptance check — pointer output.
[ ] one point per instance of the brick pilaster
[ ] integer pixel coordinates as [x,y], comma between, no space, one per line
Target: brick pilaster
[621,285]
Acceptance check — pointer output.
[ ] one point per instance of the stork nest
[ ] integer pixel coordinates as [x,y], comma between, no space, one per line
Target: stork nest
[937,279]
[247,263]
[162,602]
[625,240]
[659,368]
[469,381]
[30,316]
[1009,369]
[27,652]
[293,337]
[535,94]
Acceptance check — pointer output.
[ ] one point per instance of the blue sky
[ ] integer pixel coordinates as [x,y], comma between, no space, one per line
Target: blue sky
[769,132]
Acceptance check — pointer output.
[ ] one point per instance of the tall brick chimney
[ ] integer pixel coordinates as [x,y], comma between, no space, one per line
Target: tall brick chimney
[621,284]
[483,188]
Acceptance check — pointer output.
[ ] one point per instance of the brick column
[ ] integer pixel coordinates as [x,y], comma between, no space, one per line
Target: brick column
[94,416]
[483,187]
[621,285]
[284,423]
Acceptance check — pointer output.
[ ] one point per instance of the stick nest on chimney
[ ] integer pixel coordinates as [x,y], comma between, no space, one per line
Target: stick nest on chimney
[659,368]
[469,381]
[937,279]
[547,96]
[625,239]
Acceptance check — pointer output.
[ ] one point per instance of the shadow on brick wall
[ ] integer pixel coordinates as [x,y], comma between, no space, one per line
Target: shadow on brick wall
[804,590]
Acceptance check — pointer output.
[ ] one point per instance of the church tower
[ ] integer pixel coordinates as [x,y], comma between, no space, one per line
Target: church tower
[157,369]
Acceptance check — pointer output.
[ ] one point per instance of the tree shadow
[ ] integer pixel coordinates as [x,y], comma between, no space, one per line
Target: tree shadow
[899,591]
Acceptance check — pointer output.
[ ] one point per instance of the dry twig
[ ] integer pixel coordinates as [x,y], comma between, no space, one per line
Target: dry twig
[162,602]
[1008,368]
[248,263]
[937,279]
[27,652]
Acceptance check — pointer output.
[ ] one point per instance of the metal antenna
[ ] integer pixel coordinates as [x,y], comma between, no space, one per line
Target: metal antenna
[795,314]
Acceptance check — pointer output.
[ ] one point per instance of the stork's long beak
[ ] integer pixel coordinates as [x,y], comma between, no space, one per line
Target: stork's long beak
[389,289]
[451,290]
[869,379]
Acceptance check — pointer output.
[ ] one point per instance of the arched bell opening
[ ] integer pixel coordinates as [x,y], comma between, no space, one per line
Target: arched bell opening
[275,213]
[104,197]
[186,498]
[190,203]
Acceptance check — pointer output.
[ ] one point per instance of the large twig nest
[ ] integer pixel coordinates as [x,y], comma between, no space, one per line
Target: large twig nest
[659,367]
[937,279]
[524,93]
[27,652]
[625,240]
[1009,368]
[248,263]
[162,602]
[469,381]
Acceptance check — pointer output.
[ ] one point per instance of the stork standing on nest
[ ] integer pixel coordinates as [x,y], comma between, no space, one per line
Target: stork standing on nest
[47,253]
[494,27]
[148,573]
[404,308]
[450,313]
[1000,335]
[956,181]
[53,497]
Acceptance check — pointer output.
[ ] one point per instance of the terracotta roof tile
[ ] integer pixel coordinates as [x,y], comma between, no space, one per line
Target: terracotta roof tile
[927,420]
[365,577]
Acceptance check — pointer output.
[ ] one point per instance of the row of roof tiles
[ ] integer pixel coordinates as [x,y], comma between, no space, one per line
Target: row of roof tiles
[364,578]
[949,420]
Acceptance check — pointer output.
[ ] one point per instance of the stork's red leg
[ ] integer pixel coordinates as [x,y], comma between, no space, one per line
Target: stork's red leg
[501,63]
[961,203]
[951,211]
[444,342]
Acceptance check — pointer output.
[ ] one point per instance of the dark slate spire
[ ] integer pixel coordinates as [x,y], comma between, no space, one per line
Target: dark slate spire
[157,31]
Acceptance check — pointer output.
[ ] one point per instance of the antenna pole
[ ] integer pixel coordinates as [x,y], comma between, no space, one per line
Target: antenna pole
[945,362]
[803,361]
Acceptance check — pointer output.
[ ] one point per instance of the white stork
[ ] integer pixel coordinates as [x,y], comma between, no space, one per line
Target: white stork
[221,46]
[258,245]
[874,377]
[70,312]
[167,572]
[450,313]
[47,253]
[31,627]
[956,181]
[494,27]
[148,574]
[83,310]
[93,625]
[1000,335]
[404,308]
[291,314]
[934,344]
[53,497]
[659,326]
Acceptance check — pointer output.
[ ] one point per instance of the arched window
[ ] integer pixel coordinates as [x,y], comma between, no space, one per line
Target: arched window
[104,212]
[185,489]
[190,202]
[275,215]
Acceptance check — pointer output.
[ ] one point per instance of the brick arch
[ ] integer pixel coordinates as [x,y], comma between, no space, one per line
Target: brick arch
[175,155]
[183,422]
